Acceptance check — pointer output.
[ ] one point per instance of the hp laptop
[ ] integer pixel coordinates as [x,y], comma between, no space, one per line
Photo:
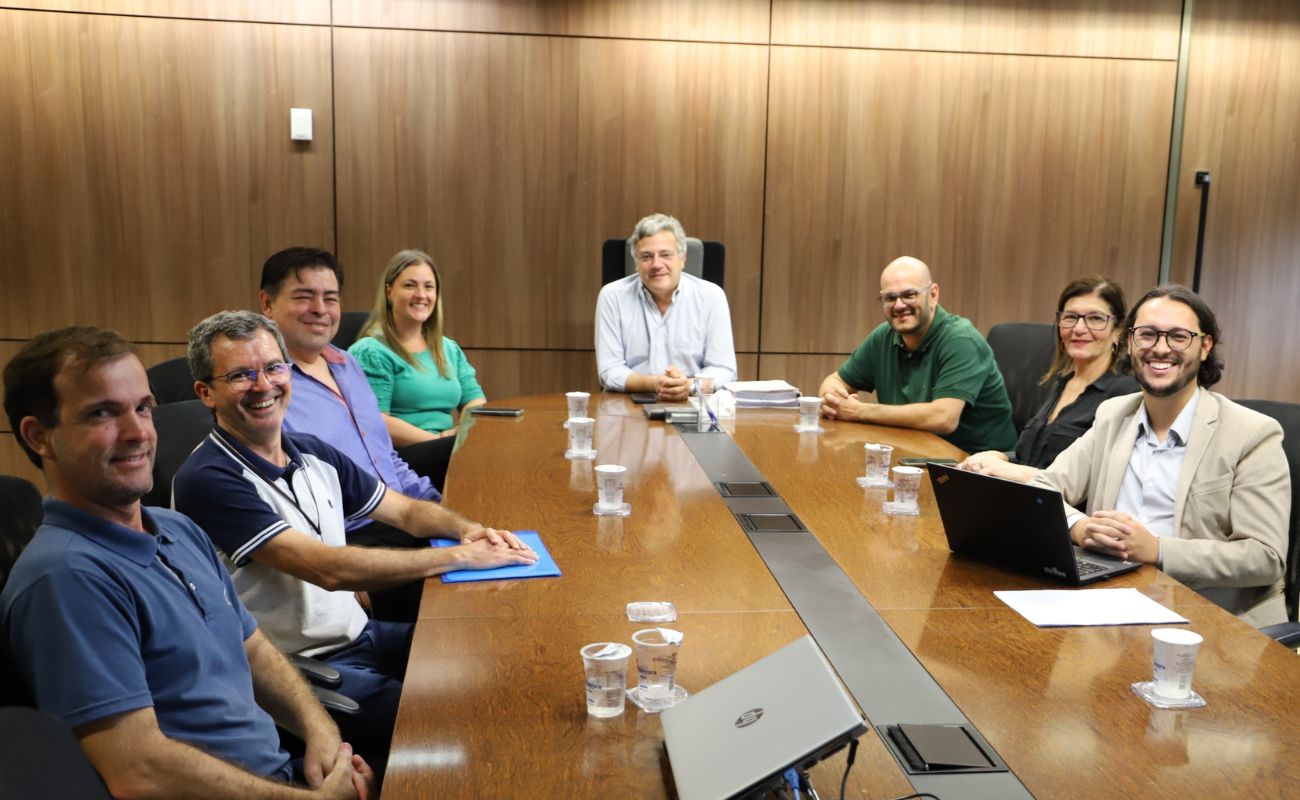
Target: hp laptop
[735,738]
[1015,524]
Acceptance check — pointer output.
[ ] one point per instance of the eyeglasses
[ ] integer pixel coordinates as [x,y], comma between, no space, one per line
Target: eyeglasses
[1095,322]
[276,374]
[908,296]
[1146,337]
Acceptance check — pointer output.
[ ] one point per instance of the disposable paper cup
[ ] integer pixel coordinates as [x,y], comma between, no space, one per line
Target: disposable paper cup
[1174,660]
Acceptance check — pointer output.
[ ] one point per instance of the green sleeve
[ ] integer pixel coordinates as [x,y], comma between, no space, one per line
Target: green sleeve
[859,369]
[464,371]
[962,369]
[379,364]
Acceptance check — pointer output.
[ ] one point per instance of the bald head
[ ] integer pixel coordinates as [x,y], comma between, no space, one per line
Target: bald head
[909,297]
[907,270]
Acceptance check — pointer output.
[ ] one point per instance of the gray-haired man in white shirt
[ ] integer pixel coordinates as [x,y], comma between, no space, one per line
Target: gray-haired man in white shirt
[659,328]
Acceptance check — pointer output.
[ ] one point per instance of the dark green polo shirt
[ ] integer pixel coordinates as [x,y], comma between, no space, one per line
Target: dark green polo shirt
[953,360]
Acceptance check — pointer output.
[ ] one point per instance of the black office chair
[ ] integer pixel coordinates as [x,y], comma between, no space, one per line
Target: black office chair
[20,516]
[170,381]
[430,458]
[1024,351]
[1288,415]
[42,760]
[350,324]
[180,427]
[707,260]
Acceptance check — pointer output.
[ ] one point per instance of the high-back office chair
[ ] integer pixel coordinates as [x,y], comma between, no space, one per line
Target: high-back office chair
[20,516]
[1288,415]
[170,381]
[180,428]
[42,760]
[1023,351]
[349,331]
[707,260]
[430,458]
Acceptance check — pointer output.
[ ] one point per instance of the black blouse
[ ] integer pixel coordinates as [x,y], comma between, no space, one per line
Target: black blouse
[1042,441]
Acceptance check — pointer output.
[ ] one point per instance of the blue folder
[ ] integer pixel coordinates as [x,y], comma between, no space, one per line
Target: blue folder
[544,568]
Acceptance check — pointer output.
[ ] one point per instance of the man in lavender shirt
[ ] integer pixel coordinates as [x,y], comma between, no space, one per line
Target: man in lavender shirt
[332,399]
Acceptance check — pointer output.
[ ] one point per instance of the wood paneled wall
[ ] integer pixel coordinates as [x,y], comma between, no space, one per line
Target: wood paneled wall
[688,20]
[303,12]
[512,158]
[1013,144]
[1100,28]
[1243,124]
[148,168]
[1008,175]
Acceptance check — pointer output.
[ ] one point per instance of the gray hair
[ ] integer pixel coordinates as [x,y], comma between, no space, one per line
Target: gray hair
[237,325]
[649,226]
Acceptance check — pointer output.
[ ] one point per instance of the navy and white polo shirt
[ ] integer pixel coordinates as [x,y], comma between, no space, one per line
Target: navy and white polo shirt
[243,501]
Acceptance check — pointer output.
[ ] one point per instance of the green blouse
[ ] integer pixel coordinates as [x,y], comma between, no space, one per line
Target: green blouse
[423,397]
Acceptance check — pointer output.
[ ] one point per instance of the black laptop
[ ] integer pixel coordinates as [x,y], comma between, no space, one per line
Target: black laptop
[1016,524]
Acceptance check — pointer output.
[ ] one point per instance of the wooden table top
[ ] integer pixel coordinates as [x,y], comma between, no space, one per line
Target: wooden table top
[493,703]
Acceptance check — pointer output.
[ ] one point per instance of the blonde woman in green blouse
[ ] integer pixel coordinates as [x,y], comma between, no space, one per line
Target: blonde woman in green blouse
[420,377]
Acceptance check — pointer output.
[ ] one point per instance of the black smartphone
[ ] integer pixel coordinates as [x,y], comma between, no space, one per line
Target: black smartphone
[496,411]
[921,461]
[644,398]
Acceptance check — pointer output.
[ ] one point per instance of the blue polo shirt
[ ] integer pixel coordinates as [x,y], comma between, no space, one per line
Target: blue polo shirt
[102,620]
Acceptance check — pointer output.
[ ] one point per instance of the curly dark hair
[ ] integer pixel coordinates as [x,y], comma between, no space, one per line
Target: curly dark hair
[1212,365]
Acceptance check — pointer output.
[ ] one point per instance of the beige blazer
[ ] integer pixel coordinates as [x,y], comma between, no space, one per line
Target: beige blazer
[1232,508]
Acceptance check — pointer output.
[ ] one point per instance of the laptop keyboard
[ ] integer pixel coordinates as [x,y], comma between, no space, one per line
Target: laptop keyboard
[1086,568]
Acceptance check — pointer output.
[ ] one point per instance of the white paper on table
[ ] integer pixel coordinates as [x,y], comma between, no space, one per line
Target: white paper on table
[1048,608]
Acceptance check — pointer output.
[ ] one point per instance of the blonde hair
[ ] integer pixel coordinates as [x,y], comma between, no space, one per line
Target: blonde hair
[380,322]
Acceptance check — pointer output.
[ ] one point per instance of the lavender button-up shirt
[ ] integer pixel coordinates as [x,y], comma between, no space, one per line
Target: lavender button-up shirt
[353,424]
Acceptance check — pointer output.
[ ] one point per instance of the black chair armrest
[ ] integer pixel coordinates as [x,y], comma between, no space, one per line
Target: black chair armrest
[317,672]
[337,704]
[1285,633]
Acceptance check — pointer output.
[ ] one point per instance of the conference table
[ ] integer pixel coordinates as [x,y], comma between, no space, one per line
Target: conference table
[493,704]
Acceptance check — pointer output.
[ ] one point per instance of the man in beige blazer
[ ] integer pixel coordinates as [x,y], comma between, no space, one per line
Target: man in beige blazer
[1179,476]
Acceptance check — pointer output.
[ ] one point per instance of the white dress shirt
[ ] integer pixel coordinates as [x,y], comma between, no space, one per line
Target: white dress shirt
[1149,491]
[694,336]
[1150,486]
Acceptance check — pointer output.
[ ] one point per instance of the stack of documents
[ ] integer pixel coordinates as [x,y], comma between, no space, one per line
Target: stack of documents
[764,394]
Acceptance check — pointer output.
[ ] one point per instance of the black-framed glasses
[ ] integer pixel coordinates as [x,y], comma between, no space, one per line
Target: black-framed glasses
[1095,321]
[908,296]
[240,379]
[1146,337]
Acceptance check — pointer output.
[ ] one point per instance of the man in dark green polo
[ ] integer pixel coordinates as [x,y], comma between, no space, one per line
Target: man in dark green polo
[930,370]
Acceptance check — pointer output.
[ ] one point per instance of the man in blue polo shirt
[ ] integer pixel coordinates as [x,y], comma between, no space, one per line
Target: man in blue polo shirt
[121,619]
[276,504]
[930,370]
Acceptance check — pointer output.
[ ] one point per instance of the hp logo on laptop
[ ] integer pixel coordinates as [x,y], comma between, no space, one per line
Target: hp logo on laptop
[749,718]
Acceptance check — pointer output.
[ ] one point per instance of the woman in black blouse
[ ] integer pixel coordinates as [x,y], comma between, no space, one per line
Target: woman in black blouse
[1088,317]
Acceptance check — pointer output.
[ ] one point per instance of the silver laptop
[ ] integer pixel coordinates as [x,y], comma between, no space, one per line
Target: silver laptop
[1016,524]
[737,737]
